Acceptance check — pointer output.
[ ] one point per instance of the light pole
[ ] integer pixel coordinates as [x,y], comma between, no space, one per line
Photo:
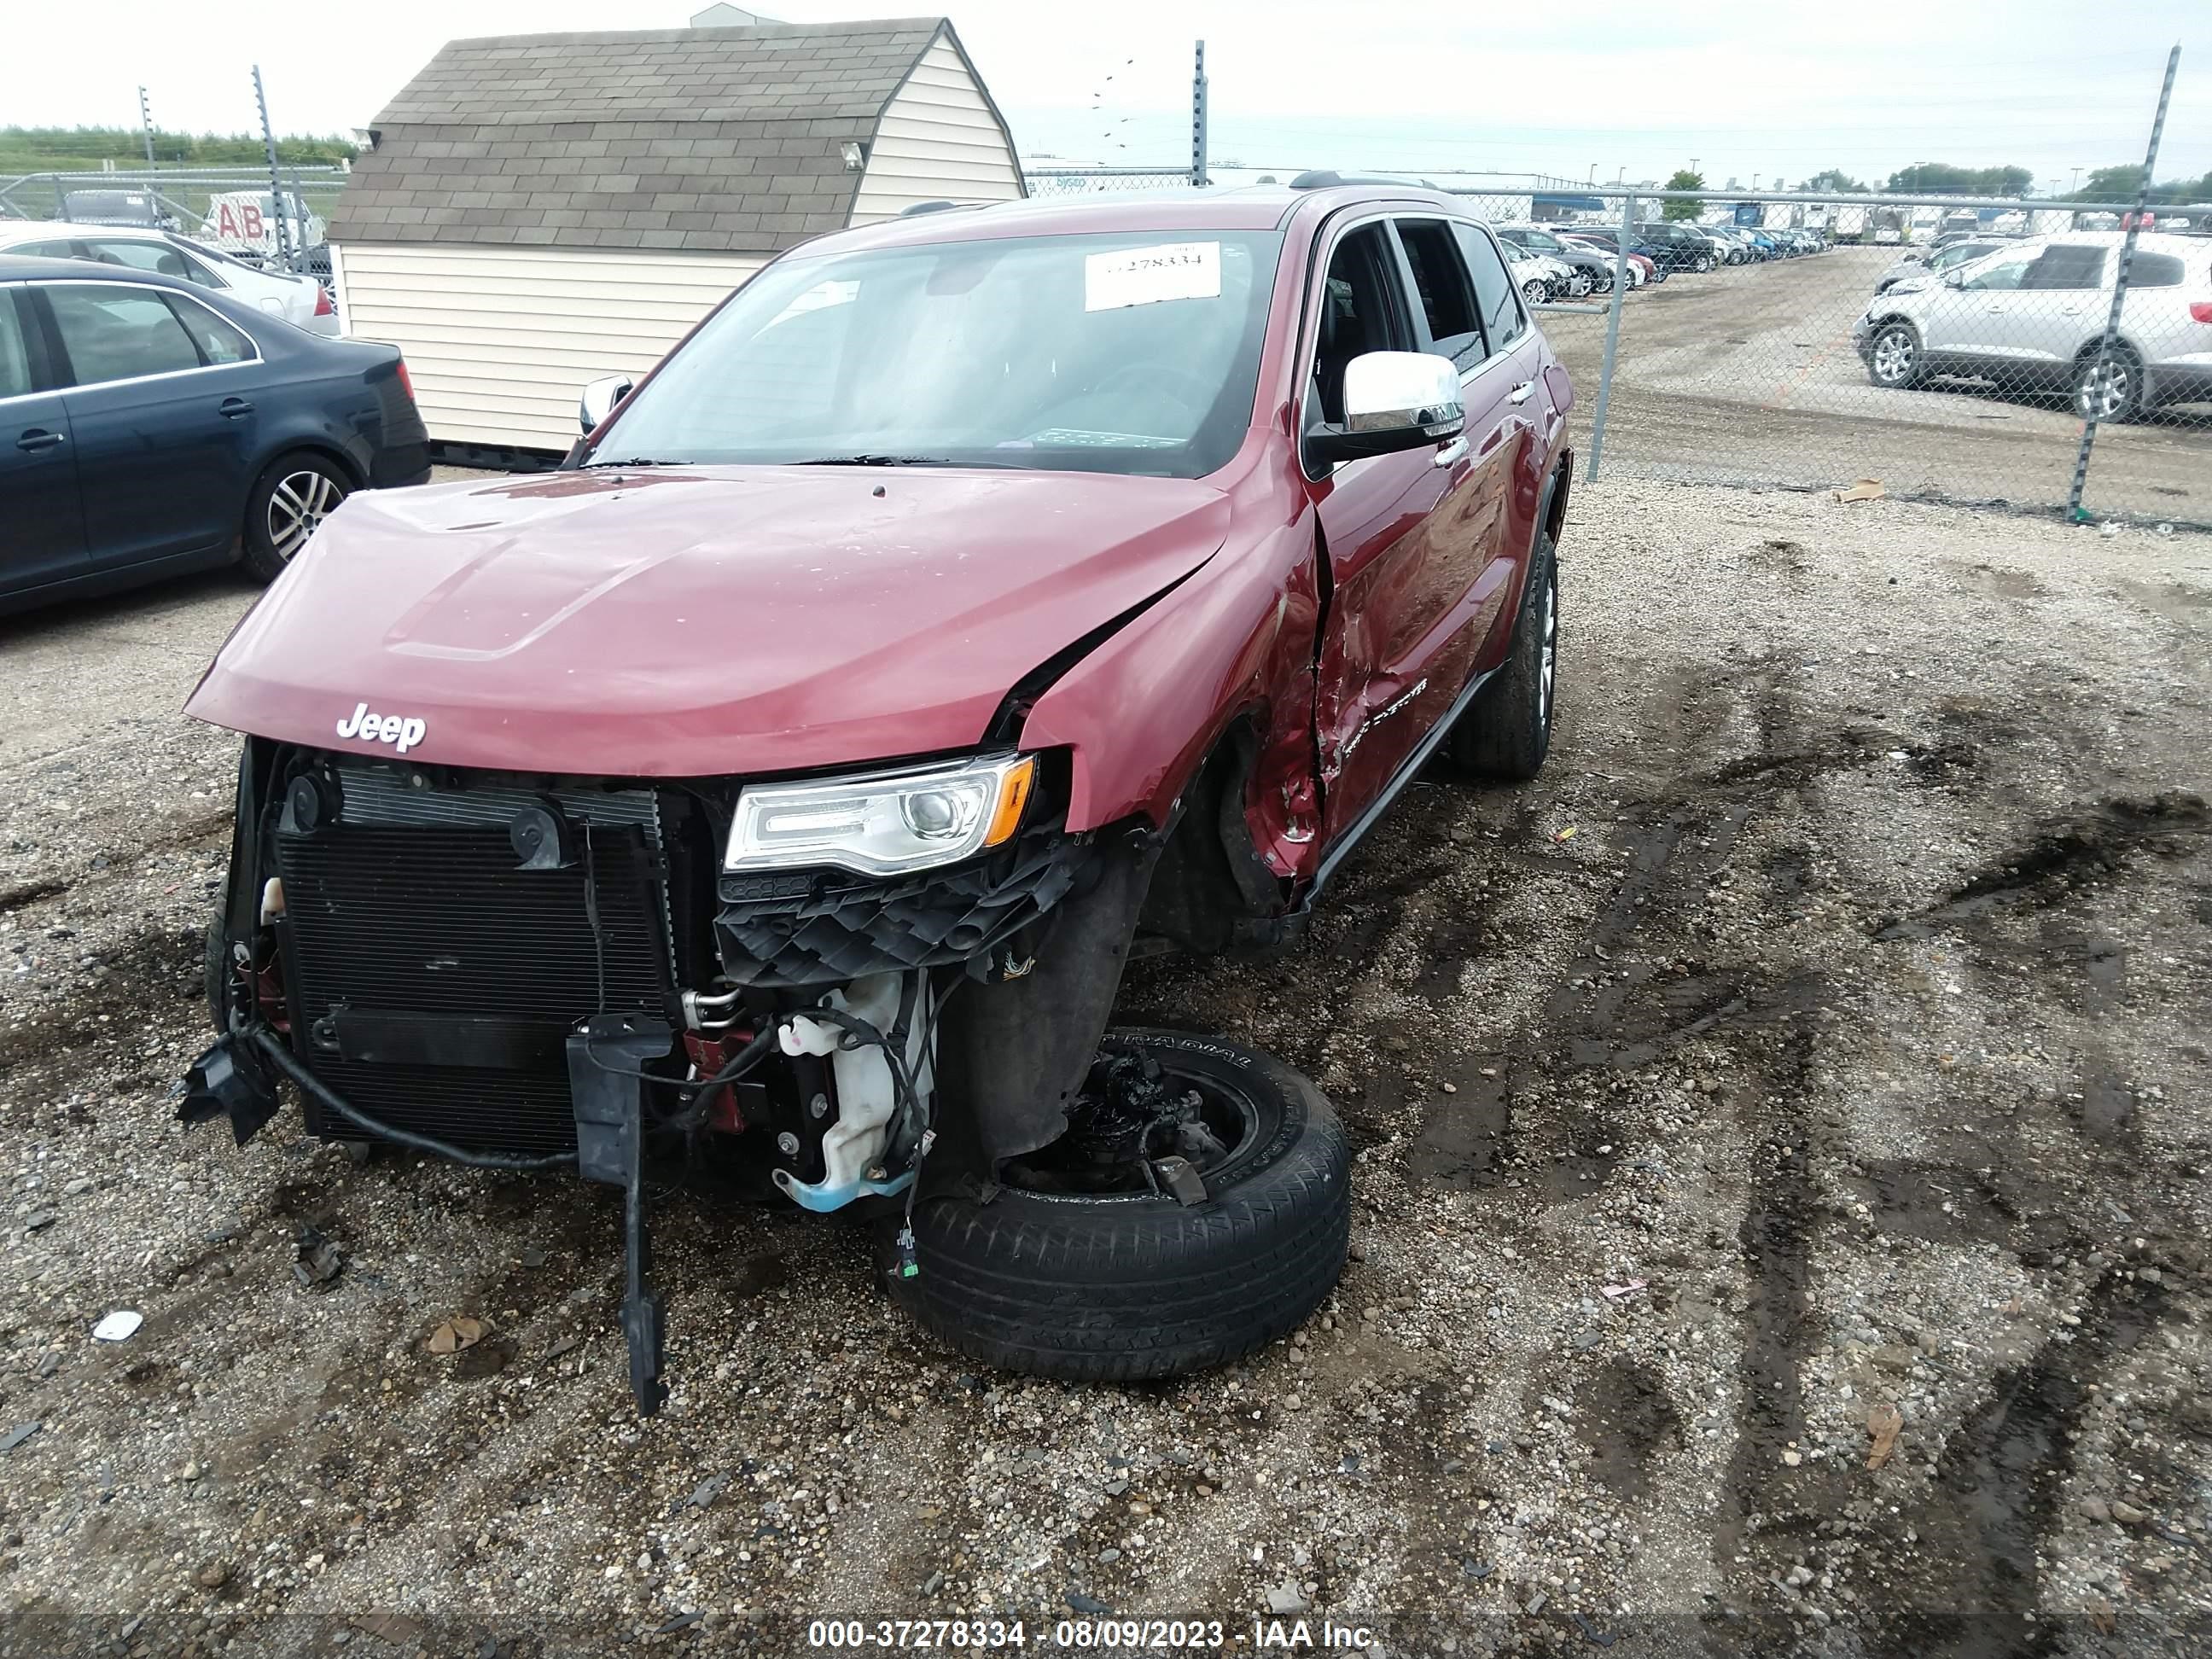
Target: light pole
[2077,186]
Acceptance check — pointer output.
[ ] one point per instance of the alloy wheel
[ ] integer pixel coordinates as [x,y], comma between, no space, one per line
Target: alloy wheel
[300,502]
[1892,357]
[2106,390]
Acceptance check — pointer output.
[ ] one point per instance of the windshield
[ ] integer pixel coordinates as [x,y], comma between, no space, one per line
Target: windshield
[1539,240]
[1127,352]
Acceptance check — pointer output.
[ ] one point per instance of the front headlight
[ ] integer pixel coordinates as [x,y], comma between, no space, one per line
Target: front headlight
[885,824]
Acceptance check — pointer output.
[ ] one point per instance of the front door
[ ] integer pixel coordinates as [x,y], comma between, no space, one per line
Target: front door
[1407,534]
[42,529]
[163,417]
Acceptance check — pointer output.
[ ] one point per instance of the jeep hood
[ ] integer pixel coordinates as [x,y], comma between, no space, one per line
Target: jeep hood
[694,621]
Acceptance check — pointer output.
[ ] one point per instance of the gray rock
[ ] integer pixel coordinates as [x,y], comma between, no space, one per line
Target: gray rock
[1286,1599]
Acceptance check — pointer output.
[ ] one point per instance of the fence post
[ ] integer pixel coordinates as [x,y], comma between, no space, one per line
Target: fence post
[1198,119]
[1612,337]
[276,183]
[2073,512]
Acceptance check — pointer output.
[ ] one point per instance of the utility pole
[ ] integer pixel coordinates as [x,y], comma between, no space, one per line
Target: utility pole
[2077,186]
[1198,119]
[146,121]
[276,183]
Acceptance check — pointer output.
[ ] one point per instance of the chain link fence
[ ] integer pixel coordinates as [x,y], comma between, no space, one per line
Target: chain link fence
[1950,349]
[229,208]
[1096,182]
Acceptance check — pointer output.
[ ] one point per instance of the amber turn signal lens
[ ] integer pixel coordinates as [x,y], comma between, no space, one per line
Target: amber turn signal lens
[1013,796]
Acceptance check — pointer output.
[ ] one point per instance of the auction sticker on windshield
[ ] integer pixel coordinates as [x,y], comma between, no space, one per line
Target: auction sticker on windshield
[1146,276]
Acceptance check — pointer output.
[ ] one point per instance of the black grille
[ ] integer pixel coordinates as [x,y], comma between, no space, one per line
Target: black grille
[436,920]
[784,930]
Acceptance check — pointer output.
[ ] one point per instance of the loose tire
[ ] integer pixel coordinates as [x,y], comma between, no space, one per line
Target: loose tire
[294,493]
[1506,731]
[2113,390]
[1135,1284]
[1894,360]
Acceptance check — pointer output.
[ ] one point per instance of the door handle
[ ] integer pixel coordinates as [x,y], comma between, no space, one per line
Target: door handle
[1519,393]
[233,407]
[1453,453]
[37,439]
[1996,309]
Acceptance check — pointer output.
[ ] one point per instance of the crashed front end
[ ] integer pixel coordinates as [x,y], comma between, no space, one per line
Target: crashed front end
[539,972]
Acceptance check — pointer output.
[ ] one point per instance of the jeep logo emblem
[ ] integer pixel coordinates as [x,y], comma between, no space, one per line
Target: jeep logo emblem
[403,732]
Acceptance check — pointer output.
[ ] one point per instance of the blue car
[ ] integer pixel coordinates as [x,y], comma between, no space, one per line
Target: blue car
[148,426]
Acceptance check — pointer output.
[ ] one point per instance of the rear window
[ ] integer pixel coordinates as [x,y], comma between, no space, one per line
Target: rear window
[2154,270]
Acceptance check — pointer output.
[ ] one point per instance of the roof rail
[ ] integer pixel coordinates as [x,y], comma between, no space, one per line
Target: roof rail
[1326,178]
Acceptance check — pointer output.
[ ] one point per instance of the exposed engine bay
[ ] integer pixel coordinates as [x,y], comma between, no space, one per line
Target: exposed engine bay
[531,974]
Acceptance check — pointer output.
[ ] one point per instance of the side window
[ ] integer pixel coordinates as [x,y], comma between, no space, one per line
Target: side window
[218,341]
[2010,272]
[1362,310]
[61,250]
[113,332]
[200,271]
[14,353]
[1495,298]
[141,256]
[2154,270]
[2068,264]
[1440,280]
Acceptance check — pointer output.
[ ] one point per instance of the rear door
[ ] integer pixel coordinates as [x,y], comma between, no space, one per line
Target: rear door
[162,416]
[42,529]
[2062,302]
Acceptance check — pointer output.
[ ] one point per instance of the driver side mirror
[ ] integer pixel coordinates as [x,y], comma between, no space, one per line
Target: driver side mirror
[600,398]
[1954,277]
[1393,401]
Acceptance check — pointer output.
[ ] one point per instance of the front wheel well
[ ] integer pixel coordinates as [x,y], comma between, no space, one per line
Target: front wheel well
[1211,890]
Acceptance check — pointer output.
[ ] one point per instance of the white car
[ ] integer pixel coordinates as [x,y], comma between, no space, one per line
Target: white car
[299,301]
[2031,317]
[1541,279]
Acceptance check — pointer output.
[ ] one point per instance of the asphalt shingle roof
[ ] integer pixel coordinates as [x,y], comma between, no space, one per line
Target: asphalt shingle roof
[710,140]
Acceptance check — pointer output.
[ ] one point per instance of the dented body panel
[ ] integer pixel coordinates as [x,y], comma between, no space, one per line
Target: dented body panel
[714,620]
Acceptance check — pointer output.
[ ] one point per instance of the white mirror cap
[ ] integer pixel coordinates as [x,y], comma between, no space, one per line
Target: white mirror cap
[1388,391]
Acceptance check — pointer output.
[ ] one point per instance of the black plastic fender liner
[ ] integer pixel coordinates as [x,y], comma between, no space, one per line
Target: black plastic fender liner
[1011,1056]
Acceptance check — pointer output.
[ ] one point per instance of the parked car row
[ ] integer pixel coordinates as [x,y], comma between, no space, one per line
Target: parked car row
[160,412]
[2030,316]
[1567,262]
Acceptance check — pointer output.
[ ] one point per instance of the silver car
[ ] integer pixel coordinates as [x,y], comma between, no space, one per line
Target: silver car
[2030,316]
[301,301]
[1923,266]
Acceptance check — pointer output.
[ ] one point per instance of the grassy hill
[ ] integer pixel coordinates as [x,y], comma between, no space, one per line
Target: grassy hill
[81,149]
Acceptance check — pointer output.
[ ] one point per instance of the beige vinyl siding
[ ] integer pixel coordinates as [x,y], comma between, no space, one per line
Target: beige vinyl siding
[937,141]
[500,341]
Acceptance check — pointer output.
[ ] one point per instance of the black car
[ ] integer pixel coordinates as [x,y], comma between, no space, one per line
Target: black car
[148,426]
[1677,247]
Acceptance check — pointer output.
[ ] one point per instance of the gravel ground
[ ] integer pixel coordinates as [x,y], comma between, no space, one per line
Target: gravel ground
[1821,1044]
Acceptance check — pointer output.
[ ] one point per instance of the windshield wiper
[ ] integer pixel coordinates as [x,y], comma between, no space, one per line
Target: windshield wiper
[875,460]
[638,461]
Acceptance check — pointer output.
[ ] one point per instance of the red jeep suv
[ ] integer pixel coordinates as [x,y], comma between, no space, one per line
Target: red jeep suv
[972,600]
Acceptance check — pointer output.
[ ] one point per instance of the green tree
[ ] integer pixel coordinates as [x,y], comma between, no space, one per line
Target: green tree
[1834,180]
[1683,179]
[1941,179]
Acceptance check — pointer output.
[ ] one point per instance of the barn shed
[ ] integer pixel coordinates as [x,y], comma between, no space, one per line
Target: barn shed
[538,210]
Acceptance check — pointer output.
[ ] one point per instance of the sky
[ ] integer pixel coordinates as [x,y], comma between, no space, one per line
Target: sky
[1741,87]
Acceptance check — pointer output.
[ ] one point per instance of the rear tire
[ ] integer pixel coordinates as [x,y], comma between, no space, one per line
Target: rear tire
[1506,733]
[1133,1285]
[293,495]
[2115,388]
